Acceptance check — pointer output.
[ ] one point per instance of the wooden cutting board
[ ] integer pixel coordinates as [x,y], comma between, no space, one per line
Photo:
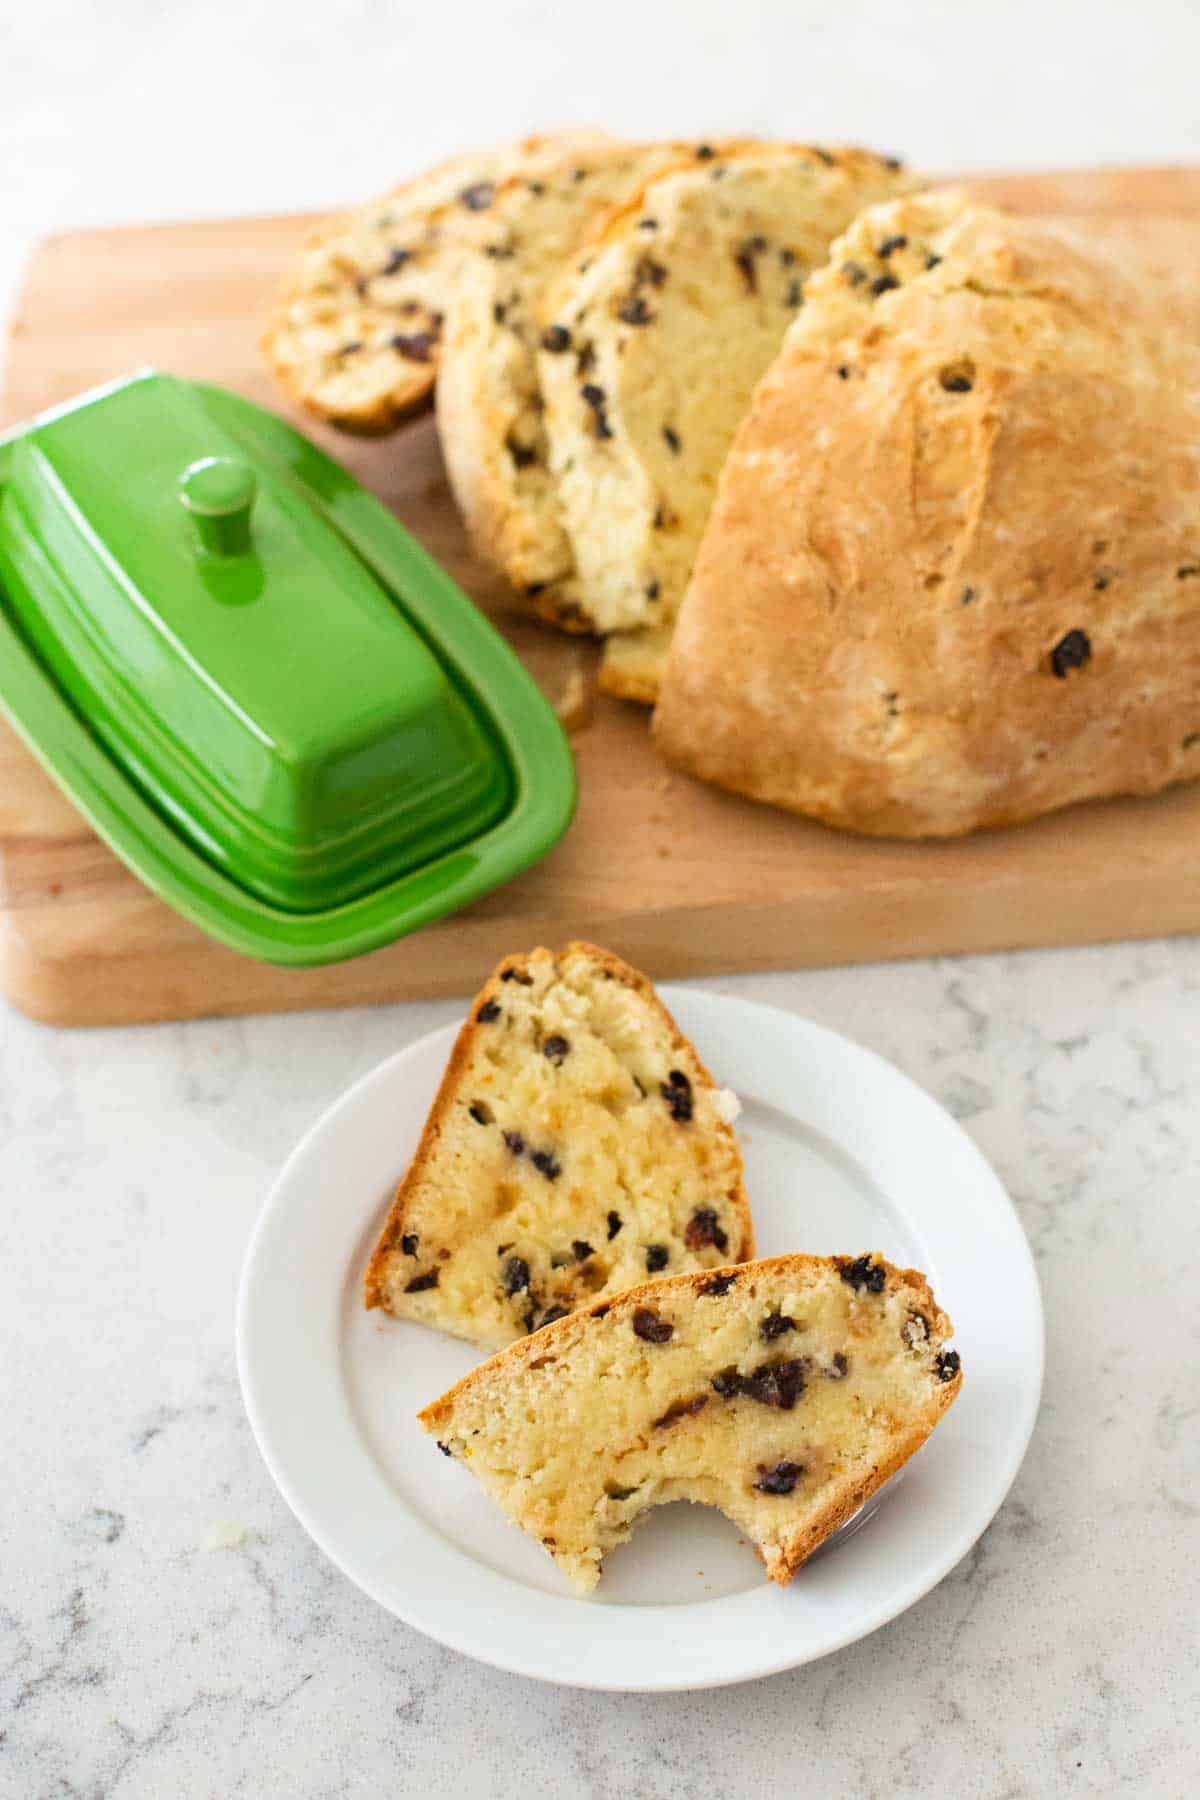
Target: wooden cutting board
[680,878]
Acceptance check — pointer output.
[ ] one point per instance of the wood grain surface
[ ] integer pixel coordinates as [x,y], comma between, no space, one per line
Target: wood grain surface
[681,879]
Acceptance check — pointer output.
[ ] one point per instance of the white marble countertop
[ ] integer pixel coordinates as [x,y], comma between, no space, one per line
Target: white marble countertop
[138,1658]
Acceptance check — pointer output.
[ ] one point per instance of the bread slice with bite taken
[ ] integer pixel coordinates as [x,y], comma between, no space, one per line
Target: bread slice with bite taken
[576,1144]
[784,1392]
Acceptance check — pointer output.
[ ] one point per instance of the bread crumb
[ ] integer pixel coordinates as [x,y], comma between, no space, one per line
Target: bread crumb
[728,1106]
[574,704]
[224,1534]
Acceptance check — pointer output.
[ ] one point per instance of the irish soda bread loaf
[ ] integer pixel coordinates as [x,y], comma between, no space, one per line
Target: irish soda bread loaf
[654,337]
[952,578]
[489,401]
[577,1143]
[784,1393]
[355,335]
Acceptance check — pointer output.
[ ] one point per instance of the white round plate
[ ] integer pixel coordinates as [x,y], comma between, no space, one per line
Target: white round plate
[843,1154]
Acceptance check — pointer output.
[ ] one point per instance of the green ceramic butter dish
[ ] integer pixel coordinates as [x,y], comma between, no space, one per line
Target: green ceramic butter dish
[256,686]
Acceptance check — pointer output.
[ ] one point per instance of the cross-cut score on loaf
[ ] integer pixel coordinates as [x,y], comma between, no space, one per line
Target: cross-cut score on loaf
[654,335]
[576,1145]
[784,1392]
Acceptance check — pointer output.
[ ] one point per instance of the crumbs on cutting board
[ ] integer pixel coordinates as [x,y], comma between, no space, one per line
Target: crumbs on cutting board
[574,704]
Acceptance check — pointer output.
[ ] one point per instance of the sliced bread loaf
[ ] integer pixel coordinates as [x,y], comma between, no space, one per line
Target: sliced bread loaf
[961,525]
[784,1393]
[489,400]
[355,335]
[576,1143]
[653,341]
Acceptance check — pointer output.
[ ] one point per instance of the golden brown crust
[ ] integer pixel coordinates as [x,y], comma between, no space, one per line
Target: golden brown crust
[374,1280]
[803,1543]
[952,577]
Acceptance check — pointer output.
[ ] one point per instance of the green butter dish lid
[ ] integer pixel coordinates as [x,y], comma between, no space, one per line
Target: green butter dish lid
[259,689]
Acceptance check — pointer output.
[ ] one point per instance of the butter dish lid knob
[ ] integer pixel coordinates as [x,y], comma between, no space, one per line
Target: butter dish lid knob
[218,492]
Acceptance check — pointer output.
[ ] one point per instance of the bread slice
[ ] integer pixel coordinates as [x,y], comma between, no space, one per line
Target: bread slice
[489,403]
[784,1393]
[654,338]
[961,525]
[576,1143]
[355,335]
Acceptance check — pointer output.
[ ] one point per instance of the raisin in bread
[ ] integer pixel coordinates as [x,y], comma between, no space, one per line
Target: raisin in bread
[355,335]
[962,527]
[784,1393]
[489,403]
[576,1143]
[653,341]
